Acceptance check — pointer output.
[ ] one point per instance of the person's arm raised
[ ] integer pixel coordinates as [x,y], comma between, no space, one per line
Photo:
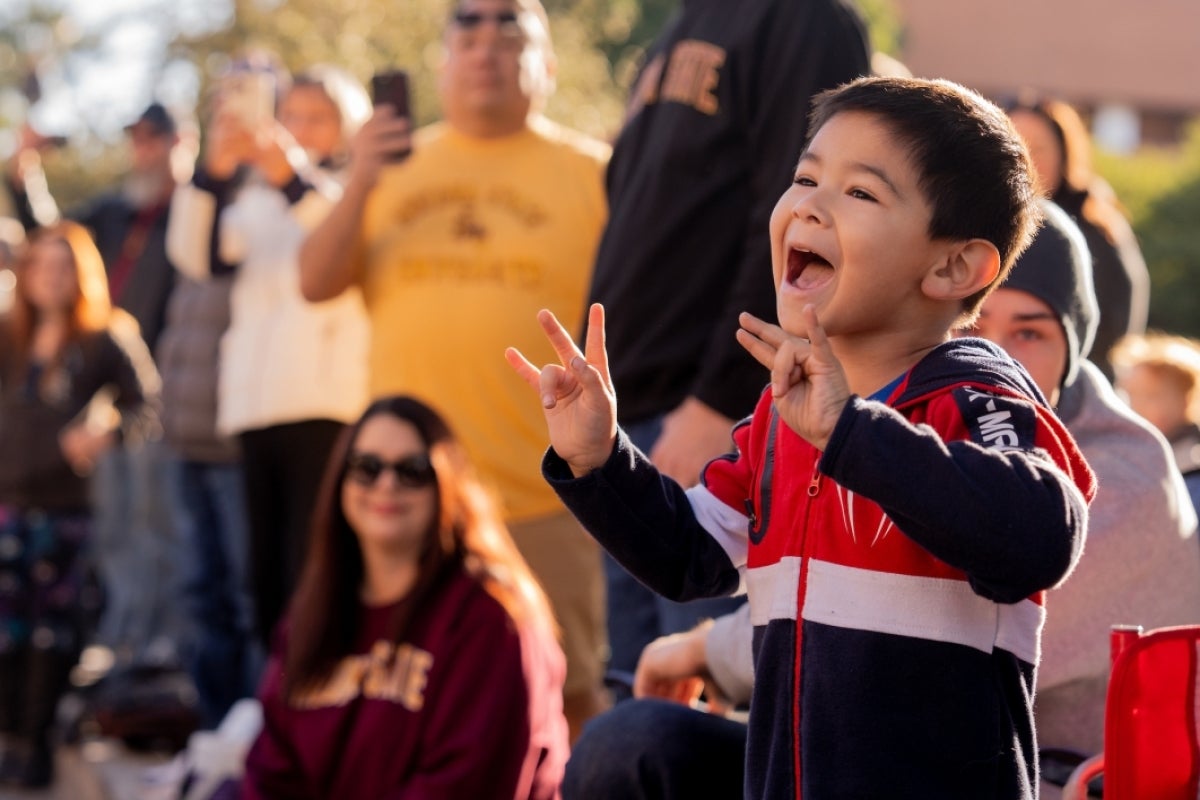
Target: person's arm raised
[577,395]
[330,258]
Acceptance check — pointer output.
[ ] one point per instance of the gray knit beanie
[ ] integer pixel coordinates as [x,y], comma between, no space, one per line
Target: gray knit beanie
[1057,269]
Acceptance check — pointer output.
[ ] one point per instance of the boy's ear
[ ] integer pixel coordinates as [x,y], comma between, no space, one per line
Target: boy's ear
[970,265]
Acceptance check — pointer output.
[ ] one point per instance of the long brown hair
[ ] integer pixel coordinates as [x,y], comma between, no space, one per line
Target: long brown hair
[91,310]
[468,533]
[1081,190]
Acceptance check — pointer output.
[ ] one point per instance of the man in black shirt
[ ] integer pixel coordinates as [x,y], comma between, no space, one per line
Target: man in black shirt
[714,125]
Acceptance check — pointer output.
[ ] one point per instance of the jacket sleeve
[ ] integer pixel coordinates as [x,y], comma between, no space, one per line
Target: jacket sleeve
[134,381]
[478,738]
[272,767]
[193,244]
[728,649]
[802,51]
[648,523]
[990,500]
[240,223]
[310,200]
[32,203]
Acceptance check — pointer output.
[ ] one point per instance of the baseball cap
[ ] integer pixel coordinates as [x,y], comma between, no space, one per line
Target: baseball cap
[157,118]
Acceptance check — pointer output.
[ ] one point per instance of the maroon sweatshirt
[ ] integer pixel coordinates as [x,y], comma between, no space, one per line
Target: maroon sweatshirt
[469,706]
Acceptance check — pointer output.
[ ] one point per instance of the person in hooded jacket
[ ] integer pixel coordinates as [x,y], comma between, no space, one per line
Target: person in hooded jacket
[1141,565]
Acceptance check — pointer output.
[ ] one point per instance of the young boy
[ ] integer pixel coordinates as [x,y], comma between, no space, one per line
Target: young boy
[898,500]
[1160,376]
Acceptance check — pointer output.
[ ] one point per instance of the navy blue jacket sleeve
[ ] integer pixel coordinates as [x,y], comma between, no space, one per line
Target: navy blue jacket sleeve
[645,521]
[1007,516]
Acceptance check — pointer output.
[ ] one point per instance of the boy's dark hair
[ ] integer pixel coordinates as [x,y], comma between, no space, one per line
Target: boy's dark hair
[973,167]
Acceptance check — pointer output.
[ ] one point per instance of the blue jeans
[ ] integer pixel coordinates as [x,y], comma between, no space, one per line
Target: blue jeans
[636,615]
[221,651]
[137,552]
[657,750]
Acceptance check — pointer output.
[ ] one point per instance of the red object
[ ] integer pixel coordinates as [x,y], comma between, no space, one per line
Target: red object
[1151,740]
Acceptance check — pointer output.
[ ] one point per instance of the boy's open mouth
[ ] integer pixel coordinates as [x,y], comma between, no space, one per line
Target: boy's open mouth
[806,269]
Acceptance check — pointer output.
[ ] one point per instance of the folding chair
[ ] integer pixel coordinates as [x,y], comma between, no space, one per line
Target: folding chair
[1151,738]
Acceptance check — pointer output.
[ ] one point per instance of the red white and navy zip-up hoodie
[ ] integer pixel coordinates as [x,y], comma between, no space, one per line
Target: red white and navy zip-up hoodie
[895,580]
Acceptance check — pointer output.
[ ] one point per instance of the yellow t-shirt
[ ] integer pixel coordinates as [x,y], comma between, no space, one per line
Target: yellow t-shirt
[464,242]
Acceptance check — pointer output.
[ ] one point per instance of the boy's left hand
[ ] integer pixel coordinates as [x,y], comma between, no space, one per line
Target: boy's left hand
[807,381]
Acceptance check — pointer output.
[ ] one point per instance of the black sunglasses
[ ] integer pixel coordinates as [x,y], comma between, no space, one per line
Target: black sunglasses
[470,20]
[414,471]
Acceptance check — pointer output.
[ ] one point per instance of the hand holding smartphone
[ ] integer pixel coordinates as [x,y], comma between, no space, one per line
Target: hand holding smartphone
[390,87]
[250,96]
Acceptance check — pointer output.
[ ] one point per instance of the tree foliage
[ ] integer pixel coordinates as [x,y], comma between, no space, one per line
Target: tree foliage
[1161,189]
[365,35]
[599,45]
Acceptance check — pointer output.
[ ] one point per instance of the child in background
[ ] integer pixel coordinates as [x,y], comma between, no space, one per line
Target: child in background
[899,500]
[1160,376]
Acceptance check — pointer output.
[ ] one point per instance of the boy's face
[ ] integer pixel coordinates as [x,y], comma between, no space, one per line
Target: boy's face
[851,234]
[1029,331]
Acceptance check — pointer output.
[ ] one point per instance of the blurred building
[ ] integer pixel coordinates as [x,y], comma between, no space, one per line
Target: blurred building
[1133,68]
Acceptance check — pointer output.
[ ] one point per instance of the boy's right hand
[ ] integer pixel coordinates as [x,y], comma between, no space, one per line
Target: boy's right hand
[808,383]
[577,396]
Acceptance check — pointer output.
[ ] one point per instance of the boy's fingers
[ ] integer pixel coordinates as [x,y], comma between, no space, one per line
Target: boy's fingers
[560,340]
[786,372]
[588,376]
[763,353]
[768,332]
[553,383]
[550,382]
[521,365]
[595,348]
[816,334]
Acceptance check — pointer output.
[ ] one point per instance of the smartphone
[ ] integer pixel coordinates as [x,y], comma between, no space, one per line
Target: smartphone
[250,96]
[390,87]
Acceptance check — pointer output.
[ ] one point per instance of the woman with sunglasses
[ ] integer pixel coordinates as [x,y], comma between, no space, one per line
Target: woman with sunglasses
[419,655]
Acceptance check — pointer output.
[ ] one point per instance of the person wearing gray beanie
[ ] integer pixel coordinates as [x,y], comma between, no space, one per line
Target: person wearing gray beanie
[1141,563]
[1057,269]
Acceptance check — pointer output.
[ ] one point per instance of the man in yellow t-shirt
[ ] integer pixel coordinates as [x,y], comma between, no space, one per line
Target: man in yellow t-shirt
[495,214]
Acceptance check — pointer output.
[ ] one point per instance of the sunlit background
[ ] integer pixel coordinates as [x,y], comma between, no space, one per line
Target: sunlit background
[85,68]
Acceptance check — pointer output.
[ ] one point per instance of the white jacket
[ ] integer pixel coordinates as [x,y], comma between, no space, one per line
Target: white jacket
[283,359]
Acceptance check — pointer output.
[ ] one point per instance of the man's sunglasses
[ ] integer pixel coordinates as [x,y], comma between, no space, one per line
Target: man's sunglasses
[470,20]
[414,471]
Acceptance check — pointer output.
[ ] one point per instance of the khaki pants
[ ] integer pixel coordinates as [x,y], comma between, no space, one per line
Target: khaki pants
[566,560]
